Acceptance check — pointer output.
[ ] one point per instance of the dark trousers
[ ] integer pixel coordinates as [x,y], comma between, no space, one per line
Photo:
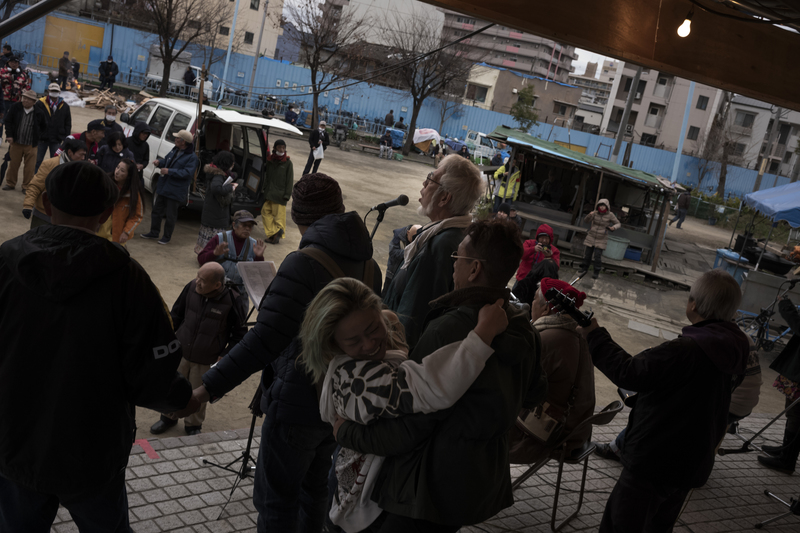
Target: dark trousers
[164,207]
[62,81]
[640,506]
[291,478]
[525,289]
[103,510]
[42,152]
[392,523]
[5,107]
[680,217]
[791,434]
[107,83]
[592,251]
[311,161]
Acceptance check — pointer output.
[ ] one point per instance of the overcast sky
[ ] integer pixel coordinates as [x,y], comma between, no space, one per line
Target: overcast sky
[584,57]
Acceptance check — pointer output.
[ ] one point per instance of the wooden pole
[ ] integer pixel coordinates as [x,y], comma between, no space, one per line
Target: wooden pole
[599,186]
[659,238]
[650,225]
[198,124]
[579,197]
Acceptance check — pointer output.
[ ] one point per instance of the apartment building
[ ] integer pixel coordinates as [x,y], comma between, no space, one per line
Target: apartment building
[382,13]
[609,70]
[506,47]
[658,108]
[749,124]
[497,89]
[594,91]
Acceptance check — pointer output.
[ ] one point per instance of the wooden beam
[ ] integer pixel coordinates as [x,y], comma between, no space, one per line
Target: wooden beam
[658,238]
[743,57]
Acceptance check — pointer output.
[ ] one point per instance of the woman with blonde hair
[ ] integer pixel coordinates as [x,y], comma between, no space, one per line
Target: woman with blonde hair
[356,352]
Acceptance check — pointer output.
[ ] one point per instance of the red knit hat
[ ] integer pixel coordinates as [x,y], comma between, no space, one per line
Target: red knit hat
[563,286]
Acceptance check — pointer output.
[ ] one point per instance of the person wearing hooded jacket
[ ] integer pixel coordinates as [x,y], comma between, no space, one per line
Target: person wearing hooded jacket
[84,284]
[216,216]
[139,147]
[277,190]
[540,260]
[681,411]
[296,445]
[602,220]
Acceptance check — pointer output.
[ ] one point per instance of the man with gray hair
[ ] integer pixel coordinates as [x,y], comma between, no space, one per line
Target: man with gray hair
[680,416]
[447,197]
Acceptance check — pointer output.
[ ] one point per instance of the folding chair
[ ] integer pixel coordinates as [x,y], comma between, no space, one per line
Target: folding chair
[559,453]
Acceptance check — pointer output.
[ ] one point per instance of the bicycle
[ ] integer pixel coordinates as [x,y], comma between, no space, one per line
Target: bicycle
[757,326]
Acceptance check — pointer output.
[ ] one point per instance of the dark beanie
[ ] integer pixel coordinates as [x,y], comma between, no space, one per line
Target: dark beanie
[315,196]
[505,208]
[80,189]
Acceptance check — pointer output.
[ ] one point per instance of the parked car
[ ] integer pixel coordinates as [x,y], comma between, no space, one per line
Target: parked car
[245,136]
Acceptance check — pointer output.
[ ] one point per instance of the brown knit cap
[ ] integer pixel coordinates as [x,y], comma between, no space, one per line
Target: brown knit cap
[315,196]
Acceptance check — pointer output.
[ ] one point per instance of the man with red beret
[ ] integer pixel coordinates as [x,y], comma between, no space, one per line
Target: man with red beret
[570,373]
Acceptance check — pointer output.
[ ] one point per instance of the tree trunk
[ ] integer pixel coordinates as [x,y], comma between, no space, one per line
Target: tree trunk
[314,98]
[162,91]
[411,127]
[723,170]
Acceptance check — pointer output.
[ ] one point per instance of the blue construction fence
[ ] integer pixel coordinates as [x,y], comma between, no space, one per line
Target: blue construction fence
[291,84]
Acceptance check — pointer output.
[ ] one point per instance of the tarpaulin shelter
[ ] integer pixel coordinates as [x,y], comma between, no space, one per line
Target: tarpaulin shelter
[423,138]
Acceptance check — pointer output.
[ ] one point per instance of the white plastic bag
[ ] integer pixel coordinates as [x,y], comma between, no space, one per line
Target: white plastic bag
[319,152]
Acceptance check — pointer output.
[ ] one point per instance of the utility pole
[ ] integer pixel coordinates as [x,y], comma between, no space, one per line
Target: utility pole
[626,114]
[258,52]
[228,55]
[773,132]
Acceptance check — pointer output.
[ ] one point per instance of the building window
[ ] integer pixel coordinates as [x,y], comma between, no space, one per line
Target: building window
[254,4]
[702,102]
[224,30]
[559,109]
[694,132]
[194,24]
[248,37]
[738,150]
[477,93]
[744,120]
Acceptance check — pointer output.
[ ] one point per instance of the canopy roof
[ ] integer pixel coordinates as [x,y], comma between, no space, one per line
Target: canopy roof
[778,203]
[515,137]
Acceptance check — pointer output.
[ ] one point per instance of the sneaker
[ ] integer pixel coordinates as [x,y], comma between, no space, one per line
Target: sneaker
[163,240]
[161,426]
[193,430]
[149,235]
[605,451]
[582,272]
[772,450]
[595,274]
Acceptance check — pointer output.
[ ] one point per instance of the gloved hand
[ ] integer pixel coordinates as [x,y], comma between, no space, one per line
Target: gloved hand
[27,213]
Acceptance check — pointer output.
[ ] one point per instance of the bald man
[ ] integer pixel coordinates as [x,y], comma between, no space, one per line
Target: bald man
[209,319]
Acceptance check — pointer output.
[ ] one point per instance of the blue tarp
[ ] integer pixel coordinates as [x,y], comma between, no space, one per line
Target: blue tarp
[778,203]
[398,137]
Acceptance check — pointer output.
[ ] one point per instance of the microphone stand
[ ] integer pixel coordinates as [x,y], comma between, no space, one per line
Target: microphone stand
[378,221]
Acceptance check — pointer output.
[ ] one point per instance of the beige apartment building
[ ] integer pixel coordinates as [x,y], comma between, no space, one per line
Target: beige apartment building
[509,48]
[658,109]
[594,91]
[248,25]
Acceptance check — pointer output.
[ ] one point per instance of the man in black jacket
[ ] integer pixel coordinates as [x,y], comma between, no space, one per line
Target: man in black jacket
[108,347]
[209,320]
[59,122]
[318,137]
[681,410]
[139,146]
[25,125]
[108,71]
[291,489]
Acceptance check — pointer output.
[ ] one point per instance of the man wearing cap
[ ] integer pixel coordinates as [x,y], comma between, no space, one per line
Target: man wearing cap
[25,126]
[291,489]
[59,122]
[108,71]
[177,171]
[318,137]
[245,248]
[570,373]
[64,66]
[33,206]
[93,300]
[209,319]
[95,132]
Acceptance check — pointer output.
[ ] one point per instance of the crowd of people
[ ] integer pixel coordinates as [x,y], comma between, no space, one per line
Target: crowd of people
[389,407]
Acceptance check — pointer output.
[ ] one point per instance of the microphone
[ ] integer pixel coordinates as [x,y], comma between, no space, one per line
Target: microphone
[400,200]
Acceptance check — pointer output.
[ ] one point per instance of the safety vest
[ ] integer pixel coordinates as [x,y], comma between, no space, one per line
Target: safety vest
[230,264]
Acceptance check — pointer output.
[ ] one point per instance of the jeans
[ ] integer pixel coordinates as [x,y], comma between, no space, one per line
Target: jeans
[291,478]
[311,161]
[103,510]
[386,150]
[640,506]
[161,207]
[680,217]
[587,258]
[42,151]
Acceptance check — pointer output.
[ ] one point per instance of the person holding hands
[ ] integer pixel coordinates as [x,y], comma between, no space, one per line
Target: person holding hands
[602,221]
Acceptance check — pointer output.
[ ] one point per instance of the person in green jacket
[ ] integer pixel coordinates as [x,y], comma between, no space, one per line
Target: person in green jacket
[450,468]
[277,189]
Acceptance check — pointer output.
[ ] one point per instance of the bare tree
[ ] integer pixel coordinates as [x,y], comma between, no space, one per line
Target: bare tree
[414,36]
[328,43]
[180,24]
[450,105]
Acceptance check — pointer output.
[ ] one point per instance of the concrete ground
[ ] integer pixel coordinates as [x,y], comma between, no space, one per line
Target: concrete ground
[654,312]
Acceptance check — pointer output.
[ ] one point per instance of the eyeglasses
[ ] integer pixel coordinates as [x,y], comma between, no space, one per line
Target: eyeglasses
[455,257]
[430,179]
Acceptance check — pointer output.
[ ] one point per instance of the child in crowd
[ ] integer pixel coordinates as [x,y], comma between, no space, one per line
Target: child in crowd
[357,351]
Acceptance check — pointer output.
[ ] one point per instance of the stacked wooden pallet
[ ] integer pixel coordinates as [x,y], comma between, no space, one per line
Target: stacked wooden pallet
[100,99]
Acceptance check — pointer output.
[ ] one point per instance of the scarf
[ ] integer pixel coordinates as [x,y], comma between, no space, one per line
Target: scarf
[63,158]
[556,321]
[278,159]
[53,103]
[429,231]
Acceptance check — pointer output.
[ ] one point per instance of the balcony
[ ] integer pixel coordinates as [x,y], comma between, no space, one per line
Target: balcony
[778,151]
[662,91]
[741,130]
[653,121]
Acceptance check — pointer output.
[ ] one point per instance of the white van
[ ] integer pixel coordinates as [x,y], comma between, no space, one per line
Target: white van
[245,136]
[480,145]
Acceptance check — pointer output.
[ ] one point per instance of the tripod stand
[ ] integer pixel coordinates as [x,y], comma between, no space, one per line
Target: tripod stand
[792,504]
[248,463]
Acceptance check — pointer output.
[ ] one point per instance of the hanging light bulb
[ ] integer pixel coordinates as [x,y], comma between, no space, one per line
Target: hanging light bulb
[686,28]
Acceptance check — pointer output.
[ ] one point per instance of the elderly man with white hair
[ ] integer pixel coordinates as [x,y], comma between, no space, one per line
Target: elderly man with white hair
[681,411]
[447,197]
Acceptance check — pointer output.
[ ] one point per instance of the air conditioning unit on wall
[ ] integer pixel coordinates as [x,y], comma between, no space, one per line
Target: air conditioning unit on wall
[629,129]
[638,96]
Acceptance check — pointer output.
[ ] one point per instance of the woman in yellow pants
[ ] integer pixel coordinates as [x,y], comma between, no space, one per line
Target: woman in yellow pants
[277,187]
